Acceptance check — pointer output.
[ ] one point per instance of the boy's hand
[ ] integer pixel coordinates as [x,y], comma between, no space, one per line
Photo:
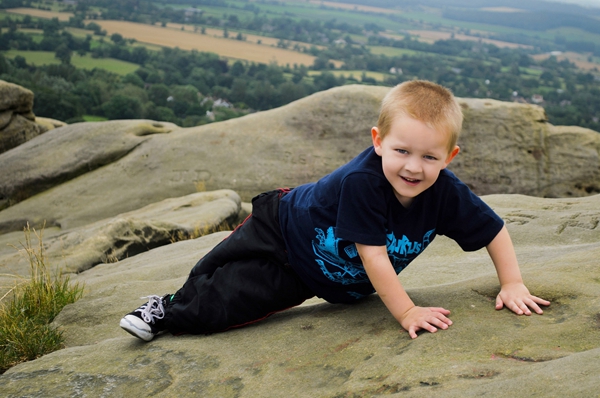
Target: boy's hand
[516,297]
[427,318]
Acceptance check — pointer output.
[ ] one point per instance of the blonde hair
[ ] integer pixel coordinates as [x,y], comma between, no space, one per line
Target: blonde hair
[425,101]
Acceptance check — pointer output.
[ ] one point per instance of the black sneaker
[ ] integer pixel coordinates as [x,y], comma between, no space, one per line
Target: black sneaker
[146,321]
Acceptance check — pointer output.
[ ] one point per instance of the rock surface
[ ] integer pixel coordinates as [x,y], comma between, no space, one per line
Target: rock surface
[114,168]
[510,148]
[63,154]
[17,121]
[109,190]
[113,239]
[326,350]
[49,124]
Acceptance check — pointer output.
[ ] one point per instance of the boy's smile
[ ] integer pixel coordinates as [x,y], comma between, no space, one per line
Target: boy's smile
[412,156]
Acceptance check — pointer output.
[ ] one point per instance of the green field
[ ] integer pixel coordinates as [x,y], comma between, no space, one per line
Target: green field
[298,10]
[86,62]
[523,70]
[574,34]
[392,51]
[92,118]
[356,74]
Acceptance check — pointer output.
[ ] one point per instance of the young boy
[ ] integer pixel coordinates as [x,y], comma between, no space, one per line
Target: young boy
[349,234]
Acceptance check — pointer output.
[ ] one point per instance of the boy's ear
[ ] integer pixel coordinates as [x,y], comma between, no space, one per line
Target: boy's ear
[452,155]
[376,140]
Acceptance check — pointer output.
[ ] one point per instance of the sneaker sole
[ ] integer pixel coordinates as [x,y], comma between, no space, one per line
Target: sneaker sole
[133,330]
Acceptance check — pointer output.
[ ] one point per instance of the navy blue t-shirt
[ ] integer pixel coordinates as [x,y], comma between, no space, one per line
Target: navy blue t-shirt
[322,221]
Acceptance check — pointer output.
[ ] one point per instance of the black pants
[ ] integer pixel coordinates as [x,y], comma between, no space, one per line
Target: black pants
[244,279]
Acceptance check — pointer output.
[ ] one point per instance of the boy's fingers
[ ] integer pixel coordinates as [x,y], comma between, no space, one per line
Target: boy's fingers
[539,300]
[533,304]
[412,332]
[514,307]
[499,303]
[440,310]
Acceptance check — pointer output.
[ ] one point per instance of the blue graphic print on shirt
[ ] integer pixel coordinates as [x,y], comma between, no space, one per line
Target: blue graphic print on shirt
[337,269]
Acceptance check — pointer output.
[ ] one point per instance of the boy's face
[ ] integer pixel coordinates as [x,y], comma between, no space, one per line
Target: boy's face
[412,155]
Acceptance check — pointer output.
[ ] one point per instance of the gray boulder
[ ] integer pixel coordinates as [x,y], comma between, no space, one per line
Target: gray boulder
[510,148]
[65,153]
[126,235]
[86,172]
[325,350]
[17,121]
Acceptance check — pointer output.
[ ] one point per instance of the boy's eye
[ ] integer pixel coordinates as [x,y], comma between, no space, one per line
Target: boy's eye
[403,151]
[429,157]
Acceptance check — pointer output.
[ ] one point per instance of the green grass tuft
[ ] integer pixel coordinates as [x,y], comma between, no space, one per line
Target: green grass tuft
[28,308]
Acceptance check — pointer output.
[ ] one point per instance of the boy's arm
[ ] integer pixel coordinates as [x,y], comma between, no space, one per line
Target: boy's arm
[513,293]
[382,275]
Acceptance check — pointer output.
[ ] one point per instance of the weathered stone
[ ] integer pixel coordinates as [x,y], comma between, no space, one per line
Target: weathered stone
[510,148]
[63,154]
[507,148]
[128,234]
[49,124]
[16,117]
[325,350]
[15,98]
[17,131]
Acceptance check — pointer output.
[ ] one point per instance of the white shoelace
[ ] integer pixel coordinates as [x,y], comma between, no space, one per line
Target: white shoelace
[153,309]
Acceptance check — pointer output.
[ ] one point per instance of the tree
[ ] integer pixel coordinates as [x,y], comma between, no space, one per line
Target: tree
[159,94]
[63,53]
[139,55]
[133,78]
[237,69]
[97,29]
[116,38]
[20,62]
[122,107]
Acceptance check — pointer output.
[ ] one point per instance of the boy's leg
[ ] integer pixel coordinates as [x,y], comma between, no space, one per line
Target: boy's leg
[235,295]
[259,236]
[242,280]
[245,278]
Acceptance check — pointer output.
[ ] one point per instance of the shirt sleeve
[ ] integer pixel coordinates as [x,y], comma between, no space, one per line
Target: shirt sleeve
[467,219]
[362,209]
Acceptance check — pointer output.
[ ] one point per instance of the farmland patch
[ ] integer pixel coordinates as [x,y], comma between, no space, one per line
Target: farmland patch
[86,62]
[431,36]
[34,12]
[269,41]
[346,6]
[188,40]
[580,60]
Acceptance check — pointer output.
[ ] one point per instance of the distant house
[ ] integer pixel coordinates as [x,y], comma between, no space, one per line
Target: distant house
[222,103]
[218,102]
[340,42]
[537,99]
[395,71]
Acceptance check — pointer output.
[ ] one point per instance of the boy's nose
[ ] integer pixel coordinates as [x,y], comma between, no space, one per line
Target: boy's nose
[413,165]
